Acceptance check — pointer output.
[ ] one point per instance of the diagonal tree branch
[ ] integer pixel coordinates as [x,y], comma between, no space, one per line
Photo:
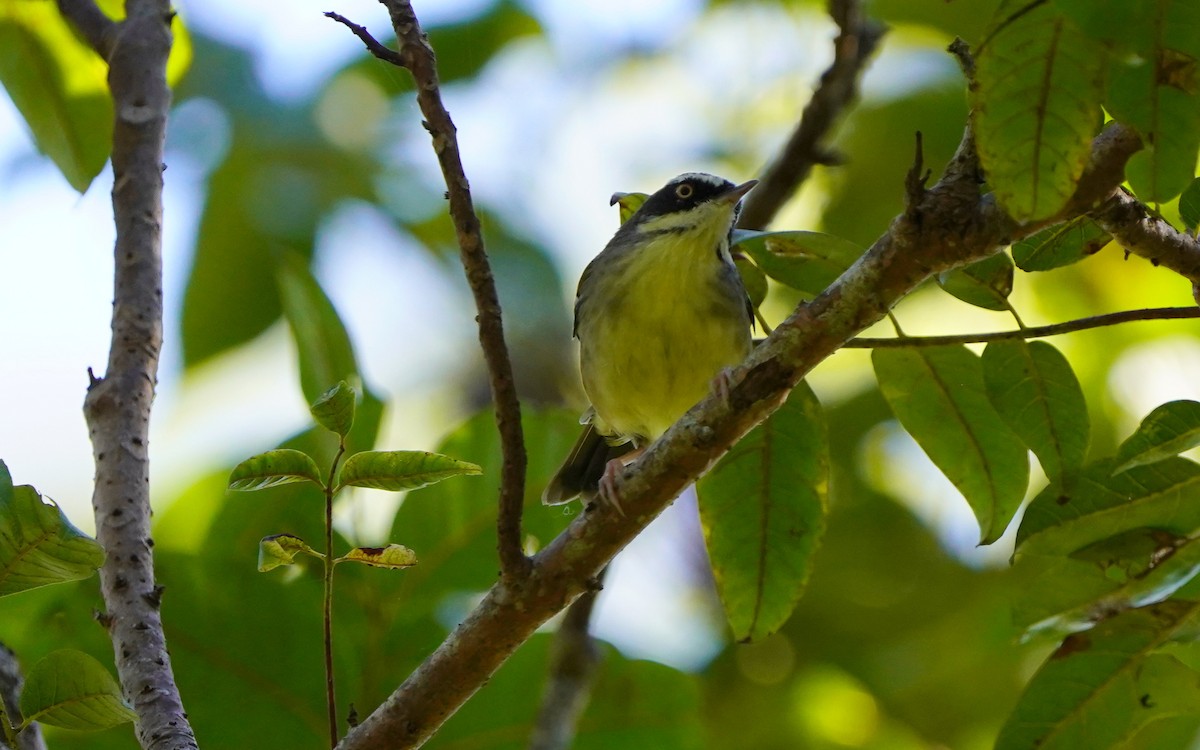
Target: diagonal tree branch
[947,225]
[418,58]
[1132,225]
[117,407]
[857,38]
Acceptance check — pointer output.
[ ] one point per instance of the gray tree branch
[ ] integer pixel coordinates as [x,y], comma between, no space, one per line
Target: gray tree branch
[117,407]
[418,58]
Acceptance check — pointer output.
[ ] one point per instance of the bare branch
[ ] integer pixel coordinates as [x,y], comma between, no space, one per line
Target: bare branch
[856,41]
[10,693]
[1139,232]
[573,661]
[374,46]
[99,30]
[418,58]
[952,225]
[117,407]
[1035,332]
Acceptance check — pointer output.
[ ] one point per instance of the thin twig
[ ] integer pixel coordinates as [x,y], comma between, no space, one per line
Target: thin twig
[857,39]
[418,58]
[330,693]
[374,46]
[117,407]
[1036,332]
[10,693]
[573,661]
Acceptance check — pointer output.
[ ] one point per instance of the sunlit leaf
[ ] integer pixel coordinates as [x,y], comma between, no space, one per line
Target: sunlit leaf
[393,556]
[273,468]
[401,470]
[38,545]
[1060,245]
[1067,593]
[1036,393]
[281,549]
[1169,430]
[58,85]
[986,283]
[334,410]
[938,395]
[1035,106]
[763,512]
[805,261]
[1096,505]
[1102,686]
[71,690]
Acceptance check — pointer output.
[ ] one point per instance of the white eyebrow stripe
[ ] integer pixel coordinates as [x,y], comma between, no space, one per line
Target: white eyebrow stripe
[711,179]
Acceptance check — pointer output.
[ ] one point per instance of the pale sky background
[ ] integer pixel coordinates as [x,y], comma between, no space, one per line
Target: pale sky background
[585,120]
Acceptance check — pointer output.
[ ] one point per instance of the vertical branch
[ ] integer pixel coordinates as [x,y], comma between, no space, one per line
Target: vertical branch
[117,407]
[573,661]
[10,698]
[417,56]
[857,39]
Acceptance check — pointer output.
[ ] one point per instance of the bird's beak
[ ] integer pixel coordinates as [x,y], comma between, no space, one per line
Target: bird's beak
[734,194]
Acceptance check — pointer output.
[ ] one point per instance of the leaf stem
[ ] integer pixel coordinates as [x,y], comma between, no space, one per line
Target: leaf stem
[330,696]
[1037,332]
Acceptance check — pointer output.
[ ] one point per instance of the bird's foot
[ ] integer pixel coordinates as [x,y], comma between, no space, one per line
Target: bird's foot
[608,491]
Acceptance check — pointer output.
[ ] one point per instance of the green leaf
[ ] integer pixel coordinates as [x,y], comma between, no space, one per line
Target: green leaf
[1097,505]
[58,85]
[454,523]
[400,470]
[1154,88]
[6,485]
[38,545]
[1169,430]
[326,355]
[393,556]
[71,690]
[265,199]
[1189,205]
[334,410]
[1068,593]
[1036,393]
[273,468]
[985,284]
[1035,105]
[1102,686]
[1060,245]
[763,512]
[753,279]
[805,261]
[627,204]
[938,395]
[281,549]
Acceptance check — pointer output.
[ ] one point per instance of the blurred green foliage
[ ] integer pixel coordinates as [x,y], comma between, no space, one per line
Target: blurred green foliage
[901,640]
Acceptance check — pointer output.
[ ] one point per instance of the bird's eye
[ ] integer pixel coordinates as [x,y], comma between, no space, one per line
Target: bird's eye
[684,191]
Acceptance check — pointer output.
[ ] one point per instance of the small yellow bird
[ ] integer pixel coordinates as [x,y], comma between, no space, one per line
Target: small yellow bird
[659,314]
